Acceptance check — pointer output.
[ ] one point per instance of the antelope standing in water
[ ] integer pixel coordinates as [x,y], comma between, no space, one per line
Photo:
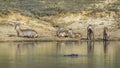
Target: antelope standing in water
[105,34]
[29,33]
[90,33]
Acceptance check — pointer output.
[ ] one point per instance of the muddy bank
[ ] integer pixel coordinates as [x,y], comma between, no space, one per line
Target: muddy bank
[48,39]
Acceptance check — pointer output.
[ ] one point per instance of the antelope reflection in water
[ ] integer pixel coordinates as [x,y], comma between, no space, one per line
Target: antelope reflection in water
[90,47]
[23,47]
[90,52]
[70,49]
[60,46]
[105,45]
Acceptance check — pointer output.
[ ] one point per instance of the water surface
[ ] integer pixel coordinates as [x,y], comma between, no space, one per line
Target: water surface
[52,55]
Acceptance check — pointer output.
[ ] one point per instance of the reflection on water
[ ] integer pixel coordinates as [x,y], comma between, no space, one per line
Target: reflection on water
[105,44]
[90,47]
[53,55]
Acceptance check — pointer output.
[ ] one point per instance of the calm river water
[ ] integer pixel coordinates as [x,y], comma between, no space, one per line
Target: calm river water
[57,55]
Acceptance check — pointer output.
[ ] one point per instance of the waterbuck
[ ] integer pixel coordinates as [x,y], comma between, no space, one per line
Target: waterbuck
[105,34]
[29,33]
[70,32]
[90,33]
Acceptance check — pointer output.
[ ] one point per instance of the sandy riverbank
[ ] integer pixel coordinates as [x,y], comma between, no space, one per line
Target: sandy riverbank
[46,26]
[48,39]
